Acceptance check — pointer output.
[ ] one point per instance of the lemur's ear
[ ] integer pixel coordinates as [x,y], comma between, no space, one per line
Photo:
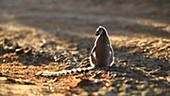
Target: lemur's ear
[99,30]
[97,33]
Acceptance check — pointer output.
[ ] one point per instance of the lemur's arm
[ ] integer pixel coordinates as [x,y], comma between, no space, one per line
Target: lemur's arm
[112,58]
[92,51]
[92,58]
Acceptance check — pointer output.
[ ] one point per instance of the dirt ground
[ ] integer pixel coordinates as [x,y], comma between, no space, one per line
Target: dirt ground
[38,35]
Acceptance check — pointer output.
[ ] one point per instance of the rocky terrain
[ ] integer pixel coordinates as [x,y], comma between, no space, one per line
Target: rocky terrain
[38,35]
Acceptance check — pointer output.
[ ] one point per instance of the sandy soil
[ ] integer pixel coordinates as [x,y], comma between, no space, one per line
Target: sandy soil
[38,35]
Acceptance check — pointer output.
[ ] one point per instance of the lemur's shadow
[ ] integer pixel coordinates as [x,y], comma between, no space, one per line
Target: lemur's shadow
[128,67]
[131,68]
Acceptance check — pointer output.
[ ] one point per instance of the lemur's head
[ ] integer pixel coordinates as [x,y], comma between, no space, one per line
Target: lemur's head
[100,30]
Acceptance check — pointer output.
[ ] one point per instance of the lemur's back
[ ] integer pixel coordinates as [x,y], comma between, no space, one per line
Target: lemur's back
[102,50]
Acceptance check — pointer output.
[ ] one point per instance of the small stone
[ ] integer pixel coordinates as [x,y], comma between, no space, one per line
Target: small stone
[3,78]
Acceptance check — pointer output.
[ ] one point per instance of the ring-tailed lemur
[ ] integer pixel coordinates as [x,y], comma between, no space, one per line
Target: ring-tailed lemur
[101,55]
